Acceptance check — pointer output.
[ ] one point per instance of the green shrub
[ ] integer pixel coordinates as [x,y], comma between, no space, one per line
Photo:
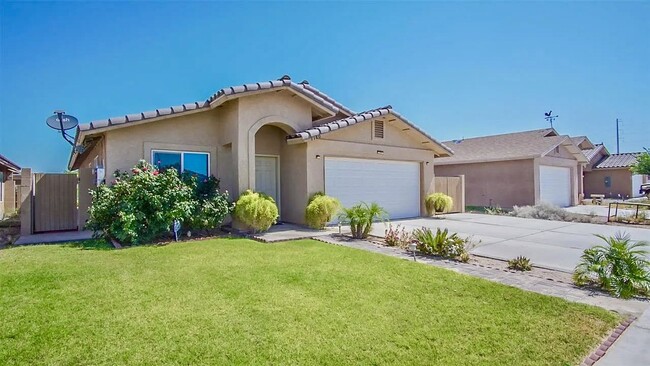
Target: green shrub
[620,267]
[139,207]
[256,210]
[397,237]
[520,263]
[211,206]
[438,202]
[360,218]
[320,210]
[441,243]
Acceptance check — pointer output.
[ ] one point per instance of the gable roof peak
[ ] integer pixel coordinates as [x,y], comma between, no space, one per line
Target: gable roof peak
[284,77]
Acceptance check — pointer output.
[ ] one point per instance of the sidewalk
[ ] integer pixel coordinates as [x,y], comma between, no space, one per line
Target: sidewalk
[631,348]
[55,237]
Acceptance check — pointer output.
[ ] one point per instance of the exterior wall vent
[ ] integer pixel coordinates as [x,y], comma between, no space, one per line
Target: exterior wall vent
[378,130]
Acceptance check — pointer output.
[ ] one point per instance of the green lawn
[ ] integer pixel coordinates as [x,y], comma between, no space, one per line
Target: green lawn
[235,301]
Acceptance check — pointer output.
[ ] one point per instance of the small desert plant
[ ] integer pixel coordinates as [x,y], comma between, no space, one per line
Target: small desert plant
[520,263]
[620,267]
[397,237]
[320,210]
[496,210]
[360,218]
[437,202]
[441,243]
[256,210]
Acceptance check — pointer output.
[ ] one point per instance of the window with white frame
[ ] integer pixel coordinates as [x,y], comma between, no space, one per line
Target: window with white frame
[195,163]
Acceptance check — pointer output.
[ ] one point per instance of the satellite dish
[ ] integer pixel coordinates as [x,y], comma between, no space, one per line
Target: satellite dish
[62,122]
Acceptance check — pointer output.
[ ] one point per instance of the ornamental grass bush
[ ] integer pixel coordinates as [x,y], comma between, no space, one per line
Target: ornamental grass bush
[437,202]
[320,210]
[141,206]
[256,210]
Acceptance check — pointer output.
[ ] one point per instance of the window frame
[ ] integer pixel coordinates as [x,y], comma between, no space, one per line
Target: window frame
[182,153]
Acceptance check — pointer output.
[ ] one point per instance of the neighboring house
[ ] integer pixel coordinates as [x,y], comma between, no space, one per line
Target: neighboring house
[521,168]
[286,139]
[610,174]
[7,190]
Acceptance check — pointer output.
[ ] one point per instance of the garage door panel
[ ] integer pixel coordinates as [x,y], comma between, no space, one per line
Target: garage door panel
[555,185]
[393,185]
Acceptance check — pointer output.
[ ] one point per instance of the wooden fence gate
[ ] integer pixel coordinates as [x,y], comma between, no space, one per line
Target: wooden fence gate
[55,202]
[455,188]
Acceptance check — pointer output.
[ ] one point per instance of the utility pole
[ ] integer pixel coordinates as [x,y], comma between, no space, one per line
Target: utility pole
[618,150]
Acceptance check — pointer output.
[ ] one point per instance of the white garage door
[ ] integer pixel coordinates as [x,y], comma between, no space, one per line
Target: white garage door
[393,185]
[637,180]
[555,185]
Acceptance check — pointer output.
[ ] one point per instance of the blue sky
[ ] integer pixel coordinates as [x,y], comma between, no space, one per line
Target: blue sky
[455,69]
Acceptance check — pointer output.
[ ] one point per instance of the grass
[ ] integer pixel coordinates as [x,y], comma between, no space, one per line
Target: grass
[235,301]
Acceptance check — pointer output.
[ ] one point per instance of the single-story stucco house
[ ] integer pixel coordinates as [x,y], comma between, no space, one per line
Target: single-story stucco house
[283,138]
[515,169]
[610,174]
[7,191]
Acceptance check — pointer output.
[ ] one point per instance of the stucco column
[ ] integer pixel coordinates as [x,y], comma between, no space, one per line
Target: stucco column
[26,217]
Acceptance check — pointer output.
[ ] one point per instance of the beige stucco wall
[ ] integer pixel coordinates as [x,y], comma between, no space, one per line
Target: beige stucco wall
[258,124]
[357,142]
[621,182]
[503,183]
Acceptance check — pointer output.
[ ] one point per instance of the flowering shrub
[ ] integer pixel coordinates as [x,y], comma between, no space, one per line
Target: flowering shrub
[397,237]
[141,206]
[211,206]
[320,210]
[256,210]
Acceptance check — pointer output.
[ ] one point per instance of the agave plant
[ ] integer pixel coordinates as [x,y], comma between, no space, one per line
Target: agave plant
[360,218]
[441,243]
[620,267]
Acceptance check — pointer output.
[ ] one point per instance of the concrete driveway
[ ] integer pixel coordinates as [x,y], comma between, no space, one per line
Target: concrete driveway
[551,244]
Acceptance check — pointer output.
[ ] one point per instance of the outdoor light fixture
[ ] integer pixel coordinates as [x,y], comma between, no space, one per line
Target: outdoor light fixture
[413,247]
[317,156]
[380,152]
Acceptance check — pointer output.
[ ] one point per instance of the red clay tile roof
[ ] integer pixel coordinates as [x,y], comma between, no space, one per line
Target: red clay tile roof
[317,131]
[303,88]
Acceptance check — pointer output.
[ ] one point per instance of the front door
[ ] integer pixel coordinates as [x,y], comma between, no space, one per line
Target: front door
[266,176]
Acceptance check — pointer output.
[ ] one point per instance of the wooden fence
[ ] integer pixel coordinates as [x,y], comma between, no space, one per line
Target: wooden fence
[455,188]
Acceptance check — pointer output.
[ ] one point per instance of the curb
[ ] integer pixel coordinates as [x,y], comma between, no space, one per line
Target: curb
[602,349]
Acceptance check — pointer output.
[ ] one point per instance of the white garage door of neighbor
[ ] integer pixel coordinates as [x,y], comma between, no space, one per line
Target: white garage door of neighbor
[394,185]
[555,185]
[637,180]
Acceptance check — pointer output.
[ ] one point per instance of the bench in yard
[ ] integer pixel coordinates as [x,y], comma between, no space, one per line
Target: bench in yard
[597,198]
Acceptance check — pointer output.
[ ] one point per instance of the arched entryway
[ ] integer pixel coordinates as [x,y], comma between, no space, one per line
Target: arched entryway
[279,170]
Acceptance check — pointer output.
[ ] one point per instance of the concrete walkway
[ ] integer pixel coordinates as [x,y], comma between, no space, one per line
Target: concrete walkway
[285,232]
[55,237]
[556,245]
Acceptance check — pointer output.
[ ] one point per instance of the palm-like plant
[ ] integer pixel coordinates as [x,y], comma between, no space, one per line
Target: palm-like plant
[360,218]
[621,267]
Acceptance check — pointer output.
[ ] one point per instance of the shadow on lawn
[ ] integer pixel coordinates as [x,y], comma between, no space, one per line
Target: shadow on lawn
[91,244]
